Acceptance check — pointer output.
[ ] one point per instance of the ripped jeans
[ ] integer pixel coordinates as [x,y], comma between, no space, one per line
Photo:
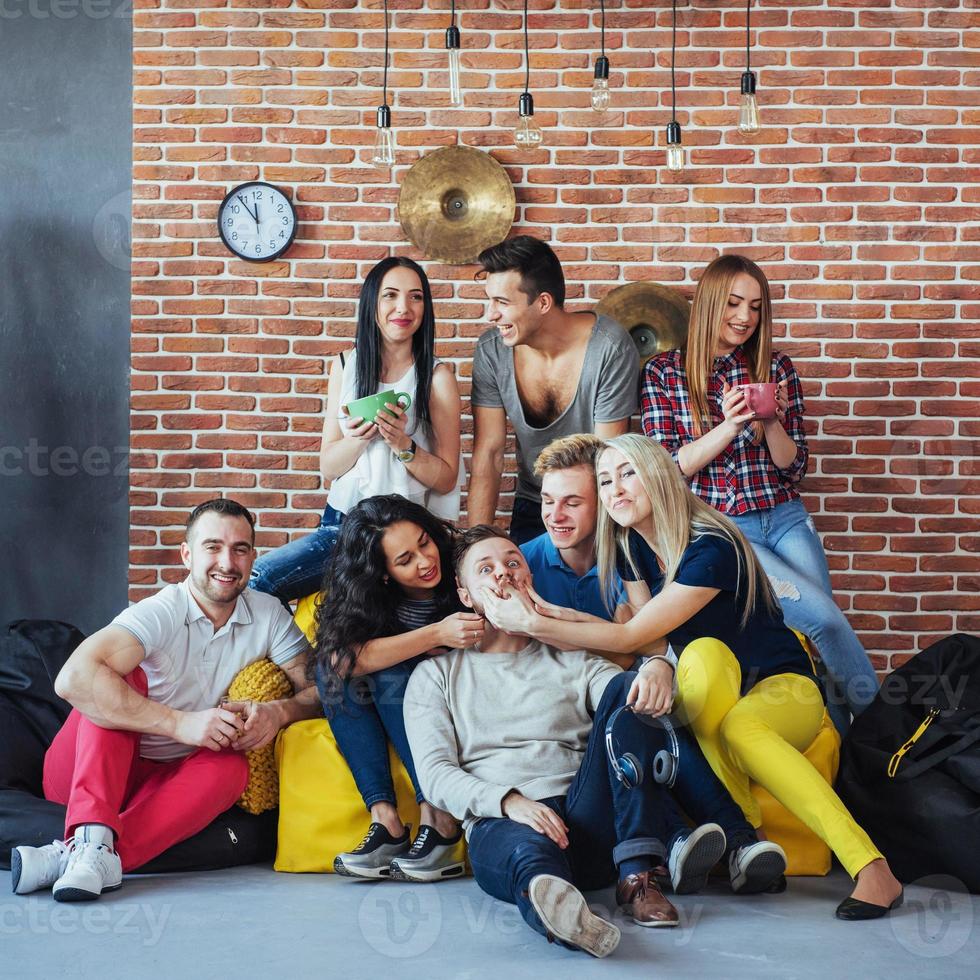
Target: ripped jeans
[786,543]
[295,570]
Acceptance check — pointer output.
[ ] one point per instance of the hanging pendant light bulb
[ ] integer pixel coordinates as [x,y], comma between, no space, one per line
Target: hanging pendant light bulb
[526,133]
[748,108]
[384,141]
[675,150]
[600,85]
[452,46]
[600,82]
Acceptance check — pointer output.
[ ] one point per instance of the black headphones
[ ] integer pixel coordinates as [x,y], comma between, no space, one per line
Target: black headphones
[627,767]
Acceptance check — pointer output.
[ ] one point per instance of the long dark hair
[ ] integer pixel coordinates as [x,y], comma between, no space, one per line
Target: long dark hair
[367,342]
[359,601]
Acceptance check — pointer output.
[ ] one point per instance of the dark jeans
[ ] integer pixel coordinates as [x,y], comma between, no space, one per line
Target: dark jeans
[703,796]
[368,716]
[607,823]
[296,569]
[525,521]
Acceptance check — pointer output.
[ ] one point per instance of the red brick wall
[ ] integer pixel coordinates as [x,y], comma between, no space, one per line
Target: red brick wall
[859,198]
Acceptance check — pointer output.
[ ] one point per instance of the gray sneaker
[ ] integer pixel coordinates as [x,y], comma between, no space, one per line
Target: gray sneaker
[371,858]
[693,855]
[563,910]
[755,867]
[432,857]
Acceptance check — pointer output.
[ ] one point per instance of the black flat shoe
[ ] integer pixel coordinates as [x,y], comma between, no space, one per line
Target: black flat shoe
[854,910]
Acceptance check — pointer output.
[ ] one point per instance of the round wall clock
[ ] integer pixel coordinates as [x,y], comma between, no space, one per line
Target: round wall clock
[257,221]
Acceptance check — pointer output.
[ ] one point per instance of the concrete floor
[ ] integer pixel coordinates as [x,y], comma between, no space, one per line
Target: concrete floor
[251,922]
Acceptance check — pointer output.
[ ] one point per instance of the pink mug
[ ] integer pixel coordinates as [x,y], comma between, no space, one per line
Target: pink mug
[761,399]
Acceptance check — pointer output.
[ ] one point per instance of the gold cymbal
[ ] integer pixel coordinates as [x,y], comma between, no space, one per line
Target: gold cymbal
[654,316]
[455,202]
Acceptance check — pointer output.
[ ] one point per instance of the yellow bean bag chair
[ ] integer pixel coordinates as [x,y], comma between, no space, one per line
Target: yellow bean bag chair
[321,813]
[806,854]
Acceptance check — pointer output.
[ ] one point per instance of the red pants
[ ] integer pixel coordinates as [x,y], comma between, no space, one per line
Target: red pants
[98,773]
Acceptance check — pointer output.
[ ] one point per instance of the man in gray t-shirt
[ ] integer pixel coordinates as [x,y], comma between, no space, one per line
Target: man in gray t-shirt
[552,373]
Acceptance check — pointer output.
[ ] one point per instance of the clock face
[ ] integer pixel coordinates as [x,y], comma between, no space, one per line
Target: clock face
[257,221]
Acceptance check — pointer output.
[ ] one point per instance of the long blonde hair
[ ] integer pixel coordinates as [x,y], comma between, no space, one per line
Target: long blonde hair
[678,517]
[708,312]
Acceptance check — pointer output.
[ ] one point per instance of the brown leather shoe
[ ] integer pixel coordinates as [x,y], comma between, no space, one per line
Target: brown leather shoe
[640,897]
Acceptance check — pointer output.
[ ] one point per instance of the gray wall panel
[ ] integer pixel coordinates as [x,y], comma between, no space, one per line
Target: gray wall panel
[65,177]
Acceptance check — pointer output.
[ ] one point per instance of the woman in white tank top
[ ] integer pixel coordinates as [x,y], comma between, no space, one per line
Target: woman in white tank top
[413,452]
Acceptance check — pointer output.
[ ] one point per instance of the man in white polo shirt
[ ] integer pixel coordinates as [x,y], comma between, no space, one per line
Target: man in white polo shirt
[150,755]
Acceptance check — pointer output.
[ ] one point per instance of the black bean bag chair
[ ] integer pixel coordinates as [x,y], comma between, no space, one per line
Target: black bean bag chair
[31,654]
[910,765]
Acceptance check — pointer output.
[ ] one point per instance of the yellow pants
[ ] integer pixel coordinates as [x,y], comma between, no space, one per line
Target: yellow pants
[762,737]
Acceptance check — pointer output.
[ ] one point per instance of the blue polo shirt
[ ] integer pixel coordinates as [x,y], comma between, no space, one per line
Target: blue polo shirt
[558,584]
[766,646]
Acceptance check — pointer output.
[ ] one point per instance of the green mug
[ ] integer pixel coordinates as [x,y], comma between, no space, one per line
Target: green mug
[367,408]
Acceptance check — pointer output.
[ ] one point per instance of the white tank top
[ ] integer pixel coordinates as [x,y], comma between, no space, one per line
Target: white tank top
[377,471]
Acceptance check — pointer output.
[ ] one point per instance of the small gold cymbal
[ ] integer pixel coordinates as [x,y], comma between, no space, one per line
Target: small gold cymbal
[455,202]
[655,316]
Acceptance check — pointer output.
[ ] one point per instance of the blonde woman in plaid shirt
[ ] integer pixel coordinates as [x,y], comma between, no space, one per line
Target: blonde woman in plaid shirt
[748,468]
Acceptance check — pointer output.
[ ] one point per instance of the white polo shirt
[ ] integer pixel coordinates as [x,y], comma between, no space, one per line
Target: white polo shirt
[188,665]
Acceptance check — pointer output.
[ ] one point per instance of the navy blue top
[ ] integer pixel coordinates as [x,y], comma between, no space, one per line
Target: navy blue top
[766,646]
[558,584]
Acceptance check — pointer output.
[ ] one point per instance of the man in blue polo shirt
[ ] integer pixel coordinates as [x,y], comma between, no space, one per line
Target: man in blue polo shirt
[562,560]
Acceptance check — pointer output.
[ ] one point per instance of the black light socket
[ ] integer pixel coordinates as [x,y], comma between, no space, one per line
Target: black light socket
[384,117]
[673,133]
[525,105]
[748,83]
[452,37]
[602,67]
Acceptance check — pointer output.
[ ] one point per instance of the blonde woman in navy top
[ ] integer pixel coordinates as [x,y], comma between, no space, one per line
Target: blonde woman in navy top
[745,684]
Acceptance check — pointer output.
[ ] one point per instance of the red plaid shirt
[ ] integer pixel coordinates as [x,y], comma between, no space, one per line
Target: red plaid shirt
[743,477]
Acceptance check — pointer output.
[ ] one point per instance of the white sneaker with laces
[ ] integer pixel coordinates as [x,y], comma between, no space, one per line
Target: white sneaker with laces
[91,870]
[33,868]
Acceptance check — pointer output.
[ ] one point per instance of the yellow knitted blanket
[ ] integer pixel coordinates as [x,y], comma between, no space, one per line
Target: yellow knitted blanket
[261,681]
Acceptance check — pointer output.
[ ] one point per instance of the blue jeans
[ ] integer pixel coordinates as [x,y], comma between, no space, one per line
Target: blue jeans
[525,520]
[296,569]
[366,717]
[607,823]
[786,543]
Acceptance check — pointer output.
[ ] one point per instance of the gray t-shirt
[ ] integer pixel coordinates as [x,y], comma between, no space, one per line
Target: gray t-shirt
[607,392]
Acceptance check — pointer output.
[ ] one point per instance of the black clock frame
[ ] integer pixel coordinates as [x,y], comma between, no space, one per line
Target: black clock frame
[292,235]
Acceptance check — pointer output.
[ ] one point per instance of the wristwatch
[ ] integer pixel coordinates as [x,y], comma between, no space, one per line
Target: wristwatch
[406,455]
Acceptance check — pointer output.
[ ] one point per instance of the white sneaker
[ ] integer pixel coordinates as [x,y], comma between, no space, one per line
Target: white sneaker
[32,868]
[754,867]
[693,856]
[566,915]
[92,869]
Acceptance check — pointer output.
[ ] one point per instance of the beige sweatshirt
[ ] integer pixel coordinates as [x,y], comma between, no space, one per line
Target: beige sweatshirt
[482,724]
